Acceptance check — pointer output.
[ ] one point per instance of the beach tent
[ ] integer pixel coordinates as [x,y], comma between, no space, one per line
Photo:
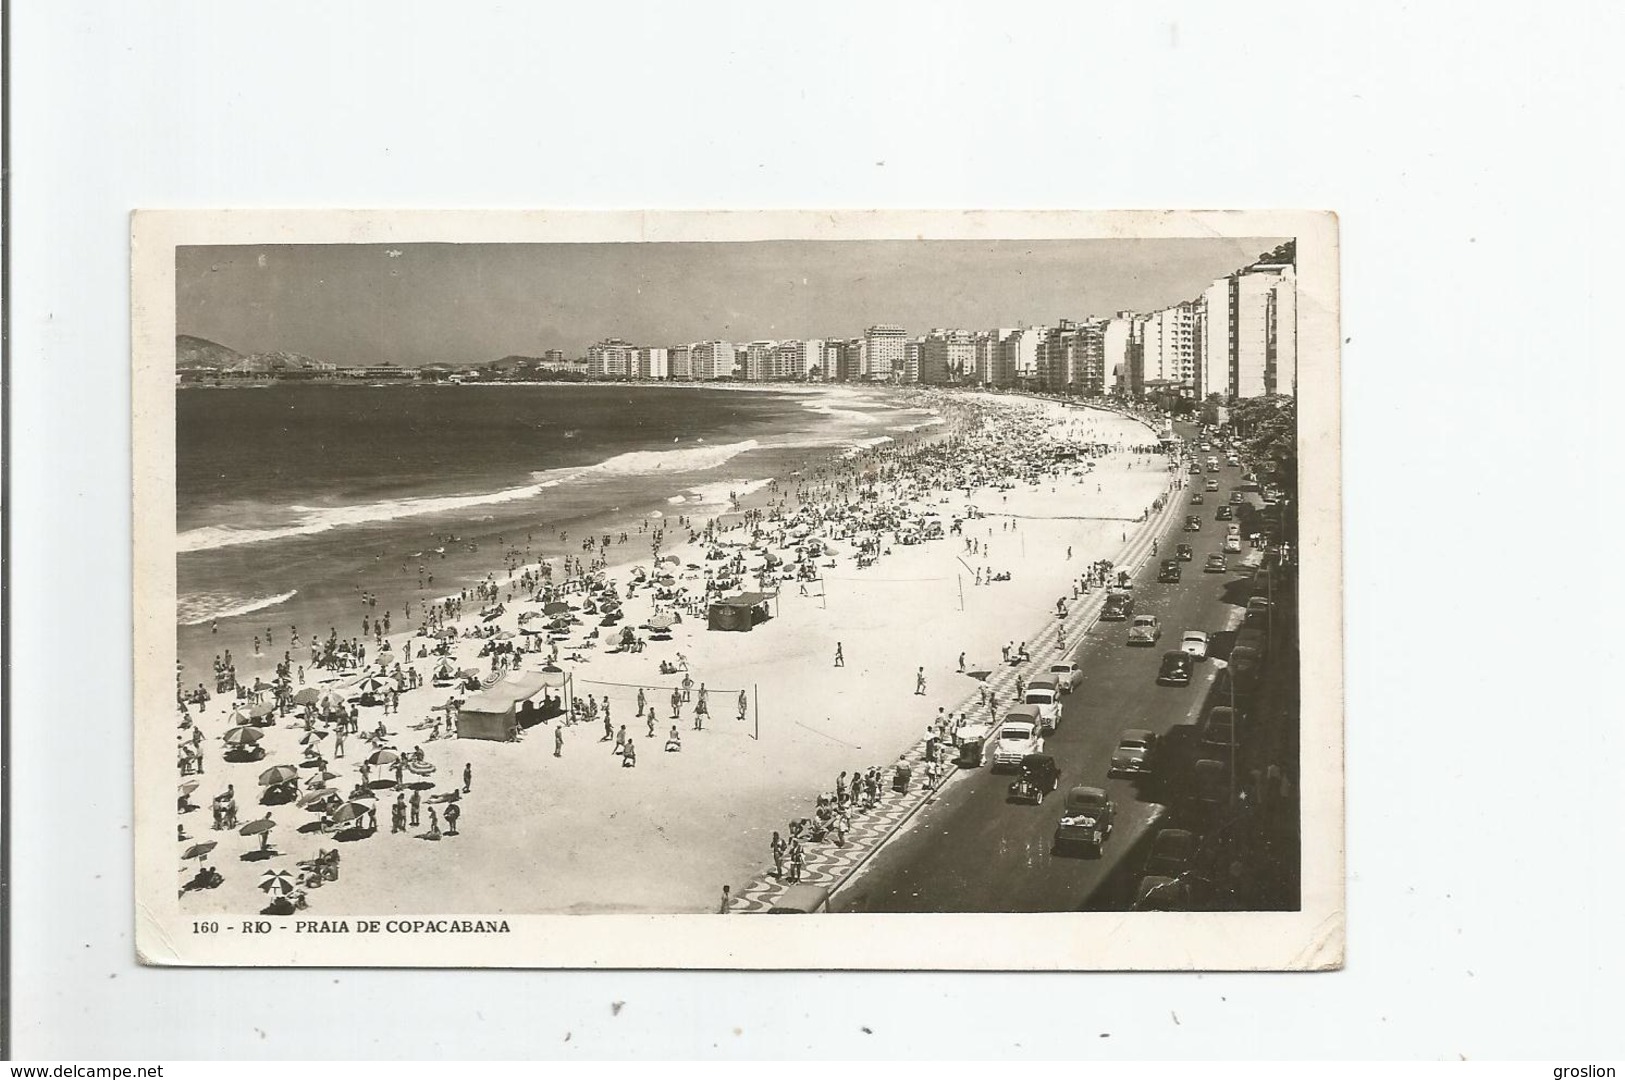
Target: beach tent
[740,612]
[497,712]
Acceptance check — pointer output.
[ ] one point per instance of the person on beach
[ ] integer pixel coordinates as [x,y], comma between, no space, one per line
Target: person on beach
[840,659]
[919,682]
[338,744]
[416,805]
[676,703]
[651,719]
[776,846]
[434,826]
[453,812]
[609,730]
[620,741]
[641,702]
[962,663]
[674,741]
[468,778]
[744,705]
[558,741]
[629,755]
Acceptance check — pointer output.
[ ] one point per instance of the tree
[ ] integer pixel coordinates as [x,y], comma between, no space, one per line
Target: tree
[1268,429]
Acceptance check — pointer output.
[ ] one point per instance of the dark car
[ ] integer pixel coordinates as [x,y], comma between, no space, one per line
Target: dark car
[1171,853]
[1193,523]
[1225,513]
[1177,668]
[1119,606]
[1038,778]
[1237,498]
[1216,564]
[1219,729]
[1169,572]
[1087,820]
[1185,552]
[1197,500]
[1134,752]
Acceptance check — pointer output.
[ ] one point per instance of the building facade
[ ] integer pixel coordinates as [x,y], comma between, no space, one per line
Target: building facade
[611,358]
[884,352]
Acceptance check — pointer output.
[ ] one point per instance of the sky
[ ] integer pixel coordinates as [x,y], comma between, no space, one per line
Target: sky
[413,304]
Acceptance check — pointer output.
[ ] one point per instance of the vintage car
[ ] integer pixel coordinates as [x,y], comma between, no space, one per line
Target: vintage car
[1171,853]
[1018,736]
[1225,513]
[1119,606]
[801,900]
[1132,757]
[1216,564]
[1219,729]
[1177,669]
[1193,523]
[1039,776]
[1245,662]
[1232,544]
[1169,572]
[1044,696]
[1194,643]
[1087,820]
[1258,610]
[1237,498]
[1147,630]
[1197,499]
[971,739]
[1066,676]
[1211,485]
[1185,553]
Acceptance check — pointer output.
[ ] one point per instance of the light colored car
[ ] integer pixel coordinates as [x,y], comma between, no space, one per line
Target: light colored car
[1043,695]
[1232,543]
[1066,676]
[1018,737]
[1133,754]
[1146,630]
[1194,643]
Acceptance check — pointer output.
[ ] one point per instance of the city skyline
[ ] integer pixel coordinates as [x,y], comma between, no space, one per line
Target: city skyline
[416,304]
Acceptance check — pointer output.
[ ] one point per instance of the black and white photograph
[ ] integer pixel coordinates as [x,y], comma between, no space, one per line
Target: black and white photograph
[745,572]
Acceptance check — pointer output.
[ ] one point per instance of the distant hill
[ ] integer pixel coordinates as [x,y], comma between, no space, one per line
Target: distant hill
[196,352]
[201,354]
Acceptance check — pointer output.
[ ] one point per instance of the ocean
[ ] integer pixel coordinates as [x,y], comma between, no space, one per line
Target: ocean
[295,500]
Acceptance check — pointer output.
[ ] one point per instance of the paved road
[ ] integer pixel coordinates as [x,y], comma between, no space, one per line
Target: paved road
[972,851]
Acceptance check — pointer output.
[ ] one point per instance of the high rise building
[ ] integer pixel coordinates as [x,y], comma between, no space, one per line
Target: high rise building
[883,348]
[1018,356]
[712,359]
[679,360]
[761,360]
[611,358]
[1116,353]
[654,362]
[1281,356]
[947,356]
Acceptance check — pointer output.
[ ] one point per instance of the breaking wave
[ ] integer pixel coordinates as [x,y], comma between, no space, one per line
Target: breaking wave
[200,608]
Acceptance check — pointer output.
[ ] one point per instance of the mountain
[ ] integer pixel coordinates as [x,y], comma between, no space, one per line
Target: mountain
[196,352]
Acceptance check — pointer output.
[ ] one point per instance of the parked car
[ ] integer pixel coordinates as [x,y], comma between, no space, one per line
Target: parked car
[1147,630]
[1133,754]
[1066,676]
[1219,729]
[1044,697]
[971,740]
[1087,820]
[1245,662]
[1018,737]
[1258,610]
[1119,606]
[1216,564]
[1194,643]
[1171,853]
[1177,669]
[1169,573]
[1185,553]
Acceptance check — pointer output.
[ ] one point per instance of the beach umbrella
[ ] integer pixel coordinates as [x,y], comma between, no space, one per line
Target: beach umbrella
[243,736]
[363,793]
[313,799]
[659,622]
[384,659]
[555,607]
[370,685]
[311,737]
[264,708]
[277,883]
[317,762]
[307,696]
[278,774]
[350,811]
[325,775]
[197,851]
[238,716]
[257,826]
[188,787]
[331,701]
[383,757]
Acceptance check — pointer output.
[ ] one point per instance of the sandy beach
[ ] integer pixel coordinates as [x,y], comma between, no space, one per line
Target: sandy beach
[579,832]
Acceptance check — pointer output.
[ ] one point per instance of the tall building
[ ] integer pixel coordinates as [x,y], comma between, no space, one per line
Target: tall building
[611,358]
[653,362]
[1213,348]
[679,360]
[854,360]
[910,371]
[1249,332]
[712,359]
[984,357]
[553,356]
[1281,355]
[947,356]
[1018,356]
[799,359]
[883,347]
[761,360]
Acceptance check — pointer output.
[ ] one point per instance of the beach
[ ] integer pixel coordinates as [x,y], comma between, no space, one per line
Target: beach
[1028,488]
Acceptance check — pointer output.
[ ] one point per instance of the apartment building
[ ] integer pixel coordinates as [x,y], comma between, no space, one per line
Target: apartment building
[884,352]
[611,358]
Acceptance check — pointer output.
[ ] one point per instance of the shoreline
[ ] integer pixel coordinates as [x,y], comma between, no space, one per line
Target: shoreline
[526,800]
